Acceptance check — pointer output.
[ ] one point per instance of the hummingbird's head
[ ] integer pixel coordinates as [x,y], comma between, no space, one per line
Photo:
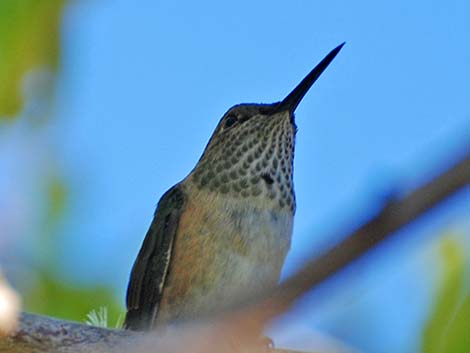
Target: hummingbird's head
[251,151]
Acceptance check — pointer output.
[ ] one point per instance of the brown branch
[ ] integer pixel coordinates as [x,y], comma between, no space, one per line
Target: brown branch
[38,333]
[233,331]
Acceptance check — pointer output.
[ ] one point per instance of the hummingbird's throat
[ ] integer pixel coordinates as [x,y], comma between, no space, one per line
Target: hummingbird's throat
[254,161]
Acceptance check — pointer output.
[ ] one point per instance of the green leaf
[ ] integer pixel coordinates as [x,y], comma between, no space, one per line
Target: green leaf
[457,338]
[29,40]
[448,329]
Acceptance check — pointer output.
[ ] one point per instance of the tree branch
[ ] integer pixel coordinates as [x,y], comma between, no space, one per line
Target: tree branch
[38,333]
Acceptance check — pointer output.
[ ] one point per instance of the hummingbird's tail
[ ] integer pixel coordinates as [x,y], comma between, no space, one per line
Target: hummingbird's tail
[137,320]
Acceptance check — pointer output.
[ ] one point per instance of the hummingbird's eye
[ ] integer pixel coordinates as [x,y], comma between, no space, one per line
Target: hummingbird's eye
[231,120]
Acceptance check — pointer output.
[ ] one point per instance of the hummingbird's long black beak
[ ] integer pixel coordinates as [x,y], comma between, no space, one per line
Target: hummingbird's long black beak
[293,99]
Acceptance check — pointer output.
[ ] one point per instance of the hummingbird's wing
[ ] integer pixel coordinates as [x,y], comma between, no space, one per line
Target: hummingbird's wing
[151,266]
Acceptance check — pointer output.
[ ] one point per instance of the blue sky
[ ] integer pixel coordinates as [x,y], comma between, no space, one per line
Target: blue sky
[143,86]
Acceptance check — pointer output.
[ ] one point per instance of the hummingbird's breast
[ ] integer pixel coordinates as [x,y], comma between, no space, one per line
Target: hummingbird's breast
[226,248]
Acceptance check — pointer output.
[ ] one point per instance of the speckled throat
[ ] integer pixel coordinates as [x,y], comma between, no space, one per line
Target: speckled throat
[251,160]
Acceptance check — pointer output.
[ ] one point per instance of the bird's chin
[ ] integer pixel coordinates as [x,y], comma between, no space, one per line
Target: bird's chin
[292,121]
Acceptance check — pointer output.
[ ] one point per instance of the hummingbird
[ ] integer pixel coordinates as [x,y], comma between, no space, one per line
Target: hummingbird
[224,231]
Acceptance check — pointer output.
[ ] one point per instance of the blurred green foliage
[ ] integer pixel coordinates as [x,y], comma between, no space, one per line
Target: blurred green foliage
[29,40]
[57,196]
[51,295]
[448,328]
[54,206]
